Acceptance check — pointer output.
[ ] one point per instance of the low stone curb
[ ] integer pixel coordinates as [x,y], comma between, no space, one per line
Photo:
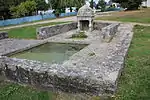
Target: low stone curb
[3,35]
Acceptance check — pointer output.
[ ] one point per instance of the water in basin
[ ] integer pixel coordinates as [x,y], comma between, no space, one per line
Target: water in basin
[51,52]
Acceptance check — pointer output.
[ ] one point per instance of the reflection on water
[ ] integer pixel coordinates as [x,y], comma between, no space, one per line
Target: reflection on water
[51,52]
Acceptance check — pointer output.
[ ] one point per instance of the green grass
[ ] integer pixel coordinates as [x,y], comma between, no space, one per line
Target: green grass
[28,32]
[11,91]
[139,16]
[135,80]
[134,83]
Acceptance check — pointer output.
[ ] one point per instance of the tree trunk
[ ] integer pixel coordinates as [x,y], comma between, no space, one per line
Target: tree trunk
[70,9]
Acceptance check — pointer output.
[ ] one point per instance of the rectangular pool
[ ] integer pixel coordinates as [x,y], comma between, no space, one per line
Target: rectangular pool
[50,52]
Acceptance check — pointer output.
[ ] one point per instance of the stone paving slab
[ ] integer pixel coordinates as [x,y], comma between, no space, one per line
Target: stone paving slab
[8,46]
[66,37]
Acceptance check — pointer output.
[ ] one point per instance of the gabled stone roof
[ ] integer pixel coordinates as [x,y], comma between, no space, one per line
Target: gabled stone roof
[85,11]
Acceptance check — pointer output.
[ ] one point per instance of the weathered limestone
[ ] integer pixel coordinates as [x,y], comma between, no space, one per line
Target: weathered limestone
[49,31]
[100,25]
[9,46]
[109,32]
[93,70]
[3,35]
[85,19]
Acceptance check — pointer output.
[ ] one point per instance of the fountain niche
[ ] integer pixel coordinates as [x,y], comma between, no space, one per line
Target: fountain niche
[85,19]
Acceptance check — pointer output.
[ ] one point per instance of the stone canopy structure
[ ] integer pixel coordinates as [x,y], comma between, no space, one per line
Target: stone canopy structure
[85,18]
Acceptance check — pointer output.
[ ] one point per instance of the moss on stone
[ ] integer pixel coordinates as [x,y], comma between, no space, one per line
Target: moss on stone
[79,35]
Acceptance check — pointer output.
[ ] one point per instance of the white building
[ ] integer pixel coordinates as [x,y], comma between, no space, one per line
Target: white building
[146,3]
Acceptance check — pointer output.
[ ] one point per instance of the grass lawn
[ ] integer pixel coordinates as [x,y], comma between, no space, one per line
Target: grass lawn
[134,83]
[135,80]
[10,91]
[28,32]
[139,16]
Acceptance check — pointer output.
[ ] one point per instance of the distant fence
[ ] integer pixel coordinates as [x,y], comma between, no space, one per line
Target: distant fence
[32,18]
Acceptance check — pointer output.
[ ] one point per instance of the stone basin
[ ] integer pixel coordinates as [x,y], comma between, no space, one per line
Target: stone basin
[95,69]
[50,52]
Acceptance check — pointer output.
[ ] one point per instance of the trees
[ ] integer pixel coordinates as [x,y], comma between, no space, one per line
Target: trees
[57,5]
[41,5]
[69,3]
[24,9]
[129,4]
[18,9]
[102,4]
[79,3]
[60,5]
[5,6]
[75,3]
[91,4]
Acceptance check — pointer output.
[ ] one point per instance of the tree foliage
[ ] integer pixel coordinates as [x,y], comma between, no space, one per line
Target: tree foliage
[41,5]
[19,8]
[129,4]
[5,6]
[79,3]
[91,3]
[74,3]
[24,9]
[102,5]
[60,5]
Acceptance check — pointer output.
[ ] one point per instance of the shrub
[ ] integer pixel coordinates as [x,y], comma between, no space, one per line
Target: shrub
[24,9]
[79,35]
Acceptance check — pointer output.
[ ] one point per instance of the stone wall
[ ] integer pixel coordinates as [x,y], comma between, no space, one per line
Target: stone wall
[48,31]
[109,32]
[100,25]
[3,35]
[43,75]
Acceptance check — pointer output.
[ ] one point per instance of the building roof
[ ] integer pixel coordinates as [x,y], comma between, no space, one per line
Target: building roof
[85,11]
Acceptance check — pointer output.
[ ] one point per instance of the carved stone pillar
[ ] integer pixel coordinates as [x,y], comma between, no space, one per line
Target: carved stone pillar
[78,26]
[85,14]
[90,26]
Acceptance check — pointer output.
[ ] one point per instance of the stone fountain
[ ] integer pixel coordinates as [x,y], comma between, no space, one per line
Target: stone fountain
[93,68]
[85,17]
